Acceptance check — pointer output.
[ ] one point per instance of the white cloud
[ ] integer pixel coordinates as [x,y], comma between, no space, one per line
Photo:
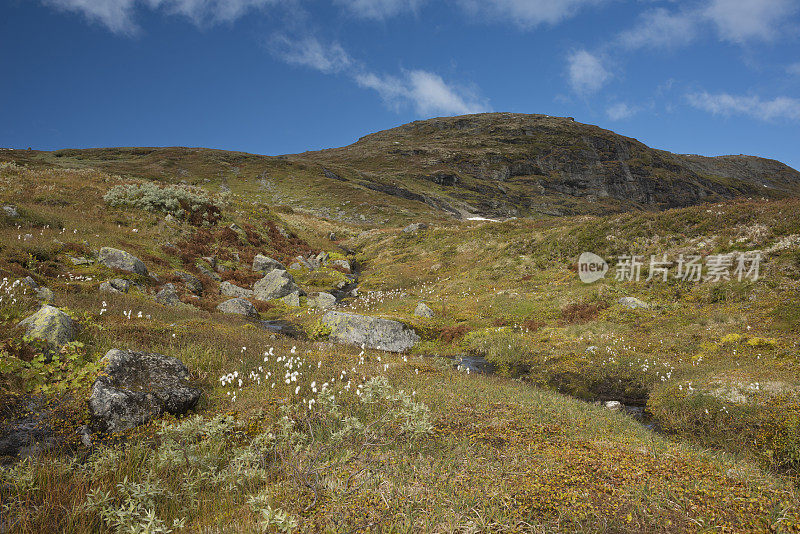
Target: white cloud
[380,9]
[119,15]
[620,111]
[742,20]
[527,13]
[310,52]
[725,104]
[586,72]
[659,28]
[426,91]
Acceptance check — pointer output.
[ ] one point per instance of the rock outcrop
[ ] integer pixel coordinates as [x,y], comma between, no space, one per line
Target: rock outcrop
[372,332]
[266,264]
[136,387]
[231,290]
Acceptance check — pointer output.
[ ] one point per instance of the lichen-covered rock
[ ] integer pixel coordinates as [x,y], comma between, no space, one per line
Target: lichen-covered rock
[238,306]
[119,259]
[274,285]
[50,324]
[265,264]
[192,283]
[423,310]
[372,332]
[232,290]
[136,387]
[292,299]
[168,296]
[45,294]
[209,273]
[322,300]
[11,211]
[633,303]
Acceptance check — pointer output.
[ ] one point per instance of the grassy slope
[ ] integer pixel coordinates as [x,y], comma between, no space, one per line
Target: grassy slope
[502,455]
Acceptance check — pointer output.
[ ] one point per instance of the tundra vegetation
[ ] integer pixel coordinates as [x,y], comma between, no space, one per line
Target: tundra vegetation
[298,434]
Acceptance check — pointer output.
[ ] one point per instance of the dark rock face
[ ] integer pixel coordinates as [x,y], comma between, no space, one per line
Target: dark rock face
[191,282]
[168,296]
[137,387]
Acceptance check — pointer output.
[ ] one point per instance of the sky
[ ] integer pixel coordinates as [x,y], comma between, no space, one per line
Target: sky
[275,77]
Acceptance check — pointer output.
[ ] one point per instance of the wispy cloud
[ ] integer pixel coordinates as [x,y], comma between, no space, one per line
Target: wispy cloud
[586,72]
[753,106]
[310,52]
[527,13]
[660,28]
[426,92]
[119,16]
[380,9]
[620,111]
[794,69]
[743,20]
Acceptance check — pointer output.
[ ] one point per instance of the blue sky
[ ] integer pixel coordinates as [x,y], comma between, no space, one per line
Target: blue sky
[283,76]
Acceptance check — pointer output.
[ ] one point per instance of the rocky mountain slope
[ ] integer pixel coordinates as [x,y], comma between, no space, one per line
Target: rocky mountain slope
[494,165]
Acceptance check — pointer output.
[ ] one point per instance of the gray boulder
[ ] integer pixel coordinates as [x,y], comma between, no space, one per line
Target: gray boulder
[136,387]
[191,282]
[292,299]
[238,306]
[344,264]
[116,285]
[296,266]
[414,227]
[44,294]
[168,296]
[232,290]
[423,310]
[119,259]
[11,211]
[265,264]
[372,332]
[80,261]
[50,324]
[274,285]
[322,300]
[633,303]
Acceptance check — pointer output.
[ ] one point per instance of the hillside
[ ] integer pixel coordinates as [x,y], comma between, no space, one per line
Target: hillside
[189,368]
[496,165]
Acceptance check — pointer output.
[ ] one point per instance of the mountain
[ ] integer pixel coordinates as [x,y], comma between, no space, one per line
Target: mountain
[492,164]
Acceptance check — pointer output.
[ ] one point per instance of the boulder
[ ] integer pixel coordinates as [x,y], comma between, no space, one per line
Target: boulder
[116,285]
[232,290]
[414,227]
[192,283]
[11,211]
[613,405]
[168,296]
[296,266]
[274,285]
[265,264]
[238,306]
[50,324]
[372,332]
[633,303]
[119,259]
[344,264]
[136,387]
[322,300]
[80,261]
[423,310]
[292,299]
